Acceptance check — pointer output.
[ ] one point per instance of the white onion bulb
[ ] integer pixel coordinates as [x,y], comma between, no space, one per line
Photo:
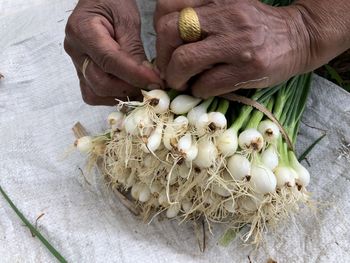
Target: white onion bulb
[145,193]
[269,130]
[156,188]
[249,204]
[135,191]
[162,199]
[201,124]
[185,143]
[227,142]
[238,166]
[207,154]
[230,205]
[186,205]
[173,210]
[183,104]
[303,174]
[116,120]
[191,153]
[194,114]
[251,139]
[270,157]
[154,140]
[284,176]
[262,179]
[158,99]
[217,119]
[84,144]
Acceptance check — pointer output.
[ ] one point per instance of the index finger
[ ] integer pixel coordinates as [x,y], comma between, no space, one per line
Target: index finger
[112,59]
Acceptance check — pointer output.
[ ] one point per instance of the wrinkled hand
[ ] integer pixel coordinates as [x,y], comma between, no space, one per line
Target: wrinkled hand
[246,44]
[108,32]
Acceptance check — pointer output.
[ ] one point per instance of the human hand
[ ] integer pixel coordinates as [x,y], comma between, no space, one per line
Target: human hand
[245,44]
[108,33]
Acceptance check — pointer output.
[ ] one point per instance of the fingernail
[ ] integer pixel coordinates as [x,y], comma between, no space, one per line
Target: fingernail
[153,86]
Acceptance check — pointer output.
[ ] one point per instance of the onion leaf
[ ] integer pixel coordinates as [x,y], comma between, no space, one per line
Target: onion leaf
[53,251]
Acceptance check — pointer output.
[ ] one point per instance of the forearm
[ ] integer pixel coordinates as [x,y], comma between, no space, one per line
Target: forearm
[328,26]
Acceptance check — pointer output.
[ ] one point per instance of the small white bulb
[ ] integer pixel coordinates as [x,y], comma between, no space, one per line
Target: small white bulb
[303,174]
[230,205]
[130,125]
[194,114]
[269,130]
[262,179]
[156,187]
[162,199]
[251,140]
[135,191]
[186,205]
[183,104]
[220,190]
[158,99]
[191,153]
[270,158]
[154,140]
[173,210]
[217,119]
[202,124]
[169,134]
[238,166]
[249,204]
[183,171]
[84,144]
[227,142]
[142,119]
[185,143]
[284,176]
[207,154]
[145,193]
[116,120]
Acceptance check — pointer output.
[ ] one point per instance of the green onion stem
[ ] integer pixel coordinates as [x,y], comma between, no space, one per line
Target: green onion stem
[223,106]
[254,121]
[173,94]
[207,102]
[213,105]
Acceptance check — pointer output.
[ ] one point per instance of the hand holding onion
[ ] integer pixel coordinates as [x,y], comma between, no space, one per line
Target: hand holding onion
[248,44]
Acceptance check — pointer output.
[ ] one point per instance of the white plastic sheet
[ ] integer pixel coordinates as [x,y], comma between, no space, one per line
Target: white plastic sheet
[39,103]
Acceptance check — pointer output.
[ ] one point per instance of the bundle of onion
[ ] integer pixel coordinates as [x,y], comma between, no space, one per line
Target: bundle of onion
[191,158]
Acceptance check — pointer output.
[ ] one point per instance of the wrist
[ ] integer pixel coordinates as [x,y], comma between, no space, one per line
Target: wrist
[328,34]
[302,55]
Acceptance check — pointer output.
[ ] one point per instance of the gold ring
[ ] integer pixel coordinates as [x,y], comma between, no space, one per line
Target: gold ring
[85,65]
[189,26]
